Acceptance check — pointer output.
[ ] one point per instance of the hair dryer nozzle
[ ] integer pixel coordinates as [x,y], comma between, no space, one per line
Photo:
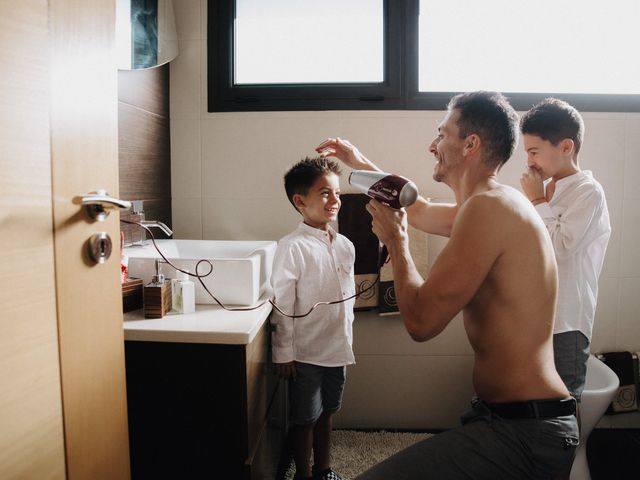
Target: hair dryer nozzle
[393,190]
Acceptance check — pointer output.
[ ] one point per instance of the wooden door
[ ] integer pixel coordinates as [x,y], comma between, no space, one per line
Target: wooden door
[84,153]
[31,436]
[62,394]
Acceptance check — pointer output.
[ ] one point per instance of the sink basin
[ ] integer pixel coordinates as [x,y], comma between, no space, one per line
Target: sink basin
[241,269]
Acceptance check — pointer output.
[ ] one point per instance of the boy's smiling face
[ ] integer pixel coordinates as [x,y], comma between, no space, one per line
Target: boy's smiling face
[321,203]
[548,159]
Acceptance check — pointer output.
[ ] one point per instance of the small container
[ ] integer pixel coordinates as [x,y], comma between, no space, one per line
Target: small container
[157,297]
[183,294]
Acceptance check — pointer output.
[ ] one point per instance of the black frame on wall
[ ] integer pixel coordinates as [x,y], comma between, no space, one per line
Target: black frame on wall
[399,91]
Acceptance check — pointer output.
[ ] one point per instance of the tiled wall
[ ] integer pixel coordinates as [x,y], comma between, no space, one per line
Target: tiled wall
[227,184]
[143,143]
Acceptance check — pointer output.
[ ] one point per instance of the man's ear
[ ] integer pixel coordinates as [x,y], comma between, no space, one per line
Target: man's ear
[567,147]
[298,200]
[471,144]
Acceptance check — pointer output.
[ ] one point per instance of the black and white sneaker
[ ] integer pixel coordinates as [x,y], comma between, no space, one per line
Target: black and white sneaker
[327,474]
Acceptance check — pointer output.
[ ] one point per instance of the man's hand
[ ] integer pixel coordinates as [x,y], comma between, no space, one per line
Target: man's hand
[532,184]
[285,370]
[389,225]
[344,151]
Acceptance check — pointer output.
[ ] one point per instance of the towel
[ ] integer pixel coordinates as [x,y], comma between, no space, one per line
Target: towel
[626,398]
[354,222]
[418,247]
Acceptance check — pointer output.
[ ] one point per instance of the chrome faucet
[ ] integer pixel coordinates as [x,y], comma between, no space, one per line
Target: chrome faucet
[160,225]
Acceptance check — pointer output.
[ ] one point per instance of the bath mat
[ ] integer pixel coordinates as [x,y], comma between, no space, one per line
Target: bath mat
[354,452]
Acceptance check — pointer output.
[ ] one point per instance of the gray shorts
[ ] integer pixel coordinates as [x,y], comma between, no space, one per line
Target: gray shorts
[315,389]
[571,352]
[487,446]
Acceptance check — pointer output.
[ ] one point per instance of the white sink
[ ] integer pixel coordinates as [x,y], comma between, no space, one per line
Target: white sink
[241,269]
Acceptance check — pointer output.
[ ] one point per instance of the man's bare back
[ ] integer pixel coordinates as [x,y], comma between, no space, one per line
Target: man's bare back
[509,323]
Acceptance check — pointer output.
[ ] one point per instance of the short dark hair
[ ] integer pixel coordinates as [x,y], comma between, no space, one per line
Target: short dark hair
[303,174]
[554,120]
[490,116]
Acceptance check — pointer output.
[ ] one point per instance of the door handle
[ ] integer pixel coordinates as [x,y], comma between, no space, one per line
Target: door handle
[98,204]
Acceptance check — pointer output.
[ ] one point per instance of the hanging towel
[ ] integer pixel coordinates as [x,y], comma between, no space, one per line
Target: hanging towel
[355,223]
[418,247]
[625,399]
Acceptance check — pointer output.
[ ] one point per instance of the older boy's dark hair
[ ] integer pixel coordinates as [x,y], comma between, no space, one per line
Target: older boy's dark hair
[490,116]
[303,174]
[554,120]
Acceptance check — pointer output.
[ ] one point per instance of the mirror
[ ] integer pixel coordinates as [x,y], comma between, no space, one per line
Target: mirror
[145,33]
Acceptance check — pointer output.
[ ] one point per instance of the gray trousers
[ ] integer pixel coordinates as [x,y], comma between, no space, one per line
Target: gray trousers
[486,447]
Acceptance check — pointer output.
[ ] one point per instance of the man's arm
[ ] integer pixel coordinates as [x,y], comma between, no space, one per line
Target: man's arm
[435,218]
[427,306]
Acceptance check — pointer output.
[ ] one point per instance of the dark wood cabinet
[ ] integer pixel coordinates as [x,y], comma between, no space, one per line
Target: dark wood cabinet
[204,411]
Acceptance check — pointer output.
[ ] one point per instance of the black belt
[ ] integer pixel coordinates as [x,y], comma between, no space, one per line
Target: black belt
[533,408]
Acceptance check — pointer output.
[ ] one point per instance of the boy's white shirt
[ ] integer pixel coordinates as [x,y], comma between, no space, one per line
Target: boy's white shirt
[577,219]
[310,267]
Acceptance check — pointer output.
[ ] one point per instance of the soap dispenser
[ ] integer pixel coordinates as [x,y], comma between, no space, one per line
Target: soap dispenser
[157,296]
[183,293]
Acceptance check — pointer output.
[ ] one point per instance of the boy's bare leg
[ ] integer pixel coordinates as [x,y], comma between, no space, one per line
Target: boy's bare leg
[322,442]
[302,444]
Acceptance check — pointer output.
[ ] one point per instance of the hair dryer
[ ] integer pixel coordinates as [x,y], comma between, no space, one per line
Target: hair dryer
[393,190]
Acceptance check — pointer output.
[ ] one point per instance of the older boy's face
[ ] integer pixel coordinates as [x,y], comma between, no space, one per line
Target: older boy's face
[322,202]
[543,156]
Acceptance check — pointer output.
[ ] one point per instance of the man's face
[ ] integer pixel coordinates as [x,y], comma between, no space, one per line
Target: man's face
[447,146]
[322,202]
[542,156]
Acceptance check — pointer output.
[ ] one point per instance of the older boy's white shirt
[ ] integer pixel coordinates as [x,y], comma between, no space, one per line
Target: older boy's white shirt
[310,267]
[577,219]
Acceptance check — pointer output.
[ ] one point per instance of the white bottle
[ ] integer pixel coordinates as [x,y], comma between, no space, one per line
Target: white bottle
[183,294]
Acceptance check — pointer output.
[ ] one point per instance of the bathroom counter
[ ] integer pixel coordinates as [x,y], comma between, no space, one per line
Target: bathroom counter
[209,324]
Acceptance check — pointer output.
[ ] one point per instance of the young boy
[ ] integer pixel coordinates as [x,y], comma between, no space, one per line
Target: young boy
[314,263]
[573,206]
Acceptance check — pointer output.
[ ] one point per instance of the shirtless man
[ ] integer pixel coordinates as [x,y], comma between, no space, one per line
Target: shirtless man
[498,267]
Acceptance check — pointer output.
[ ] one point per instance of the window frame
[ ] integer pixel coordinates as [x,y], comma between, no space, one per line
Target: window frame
[399,91]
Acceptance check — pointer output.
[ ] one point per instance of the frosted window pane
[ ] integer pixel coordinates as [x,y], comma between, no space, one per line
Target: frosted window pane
[560,46]
[309,41]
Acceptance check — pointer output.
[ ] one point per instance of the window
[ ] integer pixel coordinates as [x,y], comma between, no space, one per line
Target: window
[412,54]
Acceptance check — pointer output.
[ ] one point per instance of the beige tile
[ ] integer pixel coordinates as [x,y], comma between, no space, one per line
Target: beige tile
[606,319]
[247,219]
[186,164]
[187,218]
[185,81]
[628,334]
[630,253]
[188,18]
[611,266]
[632,157]
[386,335]
[603,152]
[388,391]
[203,18]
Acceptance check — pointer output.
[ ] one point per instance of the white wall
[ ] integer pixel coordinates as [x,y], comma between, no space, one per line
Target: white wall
[227,173]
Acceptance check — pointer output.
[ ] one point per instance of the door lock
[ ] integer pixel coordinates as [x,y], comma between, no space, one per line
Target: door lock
[100,247]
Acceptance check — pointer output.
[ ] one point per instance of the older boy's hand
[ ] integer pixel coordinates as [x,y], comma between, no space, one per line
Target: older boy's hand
[532,184]
[285,370]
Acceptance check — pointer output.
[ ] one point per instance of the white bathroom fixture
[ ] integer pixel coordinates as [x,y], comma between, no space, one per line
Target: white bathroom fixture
[600,387]
[241,268]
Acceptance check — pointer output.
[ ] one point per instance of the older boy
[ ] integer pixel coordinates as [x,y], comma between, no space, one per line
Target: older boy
[573,207]
[313,263]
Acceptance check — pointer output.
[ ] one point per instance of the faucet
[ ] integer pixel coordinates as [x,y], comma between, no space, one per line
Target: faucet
[160,225]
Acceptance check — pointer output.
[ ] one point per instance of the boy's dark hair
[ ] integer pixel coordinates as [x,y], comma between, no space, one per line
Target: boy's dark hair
[554,120]
[490,116]
[303,174]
